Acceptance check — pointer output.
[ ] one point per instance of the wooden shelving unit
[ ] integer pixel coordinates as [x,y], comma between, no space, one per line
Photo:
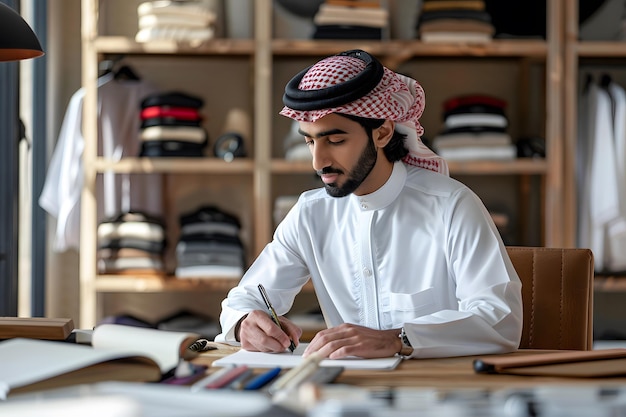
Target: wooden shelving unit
[263,55]
[579,53]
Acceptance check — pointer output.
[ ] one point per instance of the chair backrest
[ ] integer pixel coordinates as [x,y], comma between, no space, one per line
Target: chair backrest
[557,296]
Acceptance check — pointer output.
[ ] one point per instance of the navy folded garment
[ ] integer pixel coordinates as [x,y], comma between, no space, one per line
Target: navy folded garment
[171,148]
[216,257]
[169,121]
[173,98]
[221,228]
[347,32]
[208,213]
[474,108]
[134,243]
[211,237]
[474,129]
[465,14]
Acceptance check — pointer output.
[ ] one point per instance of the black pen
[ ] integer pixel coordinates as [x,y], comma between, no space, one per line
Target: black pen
[292,346]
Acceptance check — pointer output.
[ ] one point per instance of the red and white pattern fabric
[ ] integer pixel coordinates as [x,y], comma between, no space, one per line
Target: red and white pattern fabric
[396,97]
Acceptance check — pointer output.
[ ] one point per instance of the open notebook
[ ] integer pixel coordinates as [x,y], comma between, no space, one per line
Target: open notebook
[119,353]
[290,360]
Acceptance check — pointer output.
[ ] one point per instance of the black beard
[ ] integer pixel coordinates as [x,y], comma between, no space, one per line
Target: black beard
[363,167]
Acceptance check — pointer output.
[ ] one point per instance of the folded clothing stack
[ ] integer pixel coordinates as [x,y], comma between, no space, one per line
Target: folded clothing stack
[191,21]
[209,245]
[455,21]
[351,19]
[475,127]
[171,126]
[131,243]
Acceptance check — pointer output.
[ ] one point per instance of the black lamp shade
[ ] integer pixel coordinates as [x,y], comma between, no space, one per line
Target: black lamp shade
[17,39]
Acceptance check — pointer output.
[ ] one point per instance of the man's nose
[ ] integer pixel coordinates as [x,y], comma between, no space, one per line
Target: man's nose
[320,157]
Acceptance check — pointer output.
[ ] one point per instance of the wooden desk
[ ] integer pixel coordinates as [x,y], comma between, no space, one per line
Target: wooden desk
[444,374]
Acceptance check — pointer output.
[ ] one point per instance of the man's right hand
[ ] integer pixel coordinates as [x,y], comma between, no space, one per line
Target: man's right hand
[258,333]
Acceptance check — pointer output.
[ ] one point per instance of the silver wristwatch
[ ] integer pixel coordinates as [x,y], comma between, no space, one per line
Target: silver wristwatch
[407,350]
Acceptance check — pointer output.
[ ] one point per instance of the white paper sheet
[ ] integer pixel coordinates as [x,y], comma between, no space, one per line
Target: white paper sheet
[291,360]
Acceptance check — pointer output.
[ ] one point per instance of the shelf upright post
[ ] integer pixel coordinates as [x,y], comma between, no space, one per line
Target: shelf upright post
[88,215]
[570,112]
[262,122]
[554,127]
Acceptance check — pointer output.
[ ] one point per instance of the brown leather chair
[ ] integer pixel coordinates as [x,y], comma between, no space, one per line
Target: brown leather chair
[557,296]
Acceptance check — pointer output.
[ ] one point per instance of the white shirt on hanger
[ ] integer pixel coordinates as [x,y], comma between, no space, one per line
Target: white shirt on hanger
[118,128]
[603,196]
[616,228]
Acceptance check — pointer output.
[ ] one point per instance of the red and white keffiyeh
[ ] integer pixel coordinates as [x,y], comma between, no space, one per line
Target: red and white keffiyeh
[396,97]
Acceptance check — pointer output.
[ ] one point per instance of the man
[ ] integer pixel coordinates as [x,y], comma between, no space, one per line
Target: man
[404,260]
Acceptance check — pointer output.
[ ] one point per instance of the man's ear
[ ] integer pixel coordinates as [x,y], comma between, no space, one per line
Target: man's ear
[385,133]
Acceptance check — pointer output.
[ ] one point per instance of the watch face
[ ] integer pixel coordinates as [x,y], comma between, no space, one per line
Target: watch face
[404,338]
[228,146]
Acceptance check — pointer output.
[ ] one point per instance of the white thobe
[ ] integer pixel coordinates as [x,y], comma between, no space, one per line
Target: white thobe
[603,185]
[420,252]
[616,228]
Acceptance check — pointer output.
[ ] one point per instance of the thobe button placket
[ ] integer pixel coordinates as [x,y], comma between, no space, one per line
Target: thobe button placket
[368,291]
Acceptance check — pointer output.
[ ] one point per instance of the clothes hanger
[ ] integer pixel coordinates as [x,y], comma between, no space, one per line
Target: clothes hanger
[125,72]
[120,72]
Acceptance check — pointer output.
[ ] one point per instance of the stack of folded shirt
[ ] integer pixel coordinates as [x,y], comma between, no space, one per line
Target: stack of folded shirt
[209,245]
[131,243]
[455,21]
[171,126]
[351,19]
[475,128]
[191,21]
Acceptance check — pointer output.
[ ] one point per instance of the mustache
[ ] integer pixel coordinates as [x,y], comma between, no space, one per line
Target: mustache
[328,170]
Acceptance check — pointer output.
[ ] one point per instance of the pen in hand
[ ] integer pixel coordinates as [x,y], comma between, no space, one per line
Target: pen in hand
[292,346]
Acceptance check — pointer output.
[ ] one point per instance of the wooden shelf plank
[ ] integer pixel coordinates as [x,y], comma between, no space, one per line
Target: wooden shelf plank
[305,47]
[520,166]
[131,283]
[124,45]
[408,49]
[175,165]
[157,284]
[601,49]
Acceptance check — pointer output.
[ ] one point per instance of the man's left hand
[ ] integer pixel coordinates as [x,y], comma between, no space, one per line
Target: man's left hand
[354,340]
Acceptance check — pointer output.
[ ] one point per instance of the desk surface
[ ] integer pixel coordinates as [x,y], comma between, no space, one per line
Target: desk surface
[443,374]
